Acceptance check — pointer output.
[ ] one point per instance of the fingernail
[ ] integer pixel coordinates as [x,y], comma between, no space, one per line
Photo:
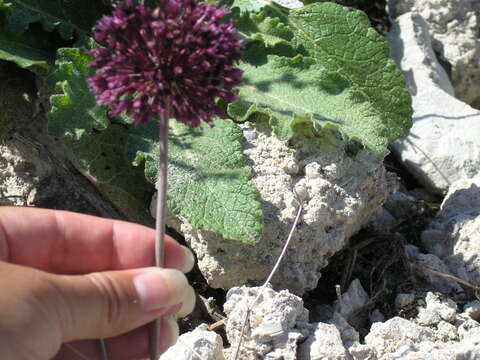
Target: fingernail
[189,304]
[160,288]
[189,260]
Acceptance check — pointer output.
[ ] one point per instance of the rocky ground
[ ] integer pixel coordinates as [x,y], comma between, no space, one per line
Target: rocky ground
[395,273]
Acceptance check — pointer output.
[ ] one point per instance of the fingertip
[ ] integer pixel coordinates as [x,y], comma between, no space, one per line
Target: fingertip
[178,256]
[159,289]
[189,261]
[189,304]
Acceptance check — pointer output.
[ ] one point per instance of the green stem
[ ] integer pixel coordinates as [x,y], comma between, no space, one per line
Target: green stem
[160,217]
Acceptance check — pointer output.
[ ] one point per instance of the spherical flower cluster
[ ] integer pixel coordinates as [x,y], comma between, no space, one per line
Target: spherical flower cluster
[179,56]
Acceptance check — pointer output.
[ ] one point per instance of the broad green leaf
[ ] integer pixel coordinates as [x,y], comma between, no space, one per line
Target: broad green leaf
[340,75]
[74,111]
[101,154]
[247,5]
[69,17]
[209,182]
[26,50]
[102,157]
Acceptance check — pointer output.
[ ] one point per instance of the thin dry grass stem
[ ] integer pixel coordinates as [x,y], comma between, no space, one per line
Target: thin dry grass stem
[451,277]
[274,270]
[348,270]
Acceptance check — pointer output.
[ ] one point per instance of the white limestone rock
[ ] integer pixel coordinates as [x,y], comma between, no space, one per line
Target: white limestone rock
[362,352]
[17,180]
[397,338]
[325,343]
[348,334]
[454,235]
[339,194]
[472,310]
[354,299]
[442,284]
[277,322]
[206,345]
[438,332]
[443,145]
[400,339]
[454,26]
[437,308]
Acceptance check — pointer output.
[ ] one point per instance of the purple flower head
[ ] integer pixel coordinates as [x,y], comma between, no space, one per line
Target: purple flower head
[180,52]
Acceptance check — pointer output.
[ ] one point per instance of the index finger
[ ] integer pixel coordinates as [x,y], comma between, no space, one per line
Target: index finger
[70,243]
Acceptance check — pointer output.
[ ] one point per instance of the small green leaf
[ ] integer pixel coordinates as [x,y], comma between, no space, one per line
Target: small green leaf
[102,156]
[69,17]
[209,182]
[23,54]
[74,112]
[341,75]
[248,5]
[26,50]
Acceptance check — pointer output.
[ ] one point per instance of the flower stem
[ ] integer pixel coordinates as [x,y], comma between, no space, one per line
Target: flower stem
[160,217]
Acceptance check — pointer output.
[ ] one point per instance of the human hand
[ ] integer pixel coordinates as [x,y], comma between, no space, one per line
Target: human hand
[66,279]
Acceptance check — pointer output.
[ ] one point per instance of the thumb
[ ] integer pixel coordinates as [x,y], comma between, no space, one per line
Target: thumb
[106,304]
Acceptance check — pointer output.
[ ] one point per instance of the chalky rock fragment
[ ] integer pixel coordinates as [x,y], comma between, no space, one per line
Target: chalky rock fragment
[195,345]
[276,323]
[348,334]
[324,343]
[438,308]
[472,309]
[438,332]
[351,301]
[443,145]
[442,284]
[454,27]
[454,235]
[339,192]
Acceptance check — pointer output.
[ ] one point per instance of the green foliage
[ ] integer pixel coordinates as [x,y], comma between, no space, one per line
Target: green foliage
[217,195]
[101,154]
[102,157]
[27,29]
[306,70]
[209,182]
[27,50]
[74,111]
[69,17]
[323,65]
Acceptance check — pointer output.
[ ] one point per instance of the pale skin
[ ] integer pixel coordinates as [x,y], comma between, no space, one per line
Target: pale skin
[67,279]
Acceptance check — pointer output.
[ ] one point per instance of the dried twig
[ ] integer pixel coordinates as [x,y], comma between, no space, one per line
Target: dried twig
[274,270]
[451,277]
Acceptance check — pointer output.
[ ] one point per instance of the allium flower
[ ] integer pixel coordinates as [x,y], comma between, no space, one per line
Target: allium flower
[180,52]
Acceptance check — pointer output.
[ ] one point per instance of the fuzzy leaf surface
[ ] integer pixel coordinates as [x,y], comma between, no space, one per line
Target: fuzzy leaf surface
[74,110]
[326,68]
[69,17]
[209,182]
[27,50]
[102,158]
[100,155]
